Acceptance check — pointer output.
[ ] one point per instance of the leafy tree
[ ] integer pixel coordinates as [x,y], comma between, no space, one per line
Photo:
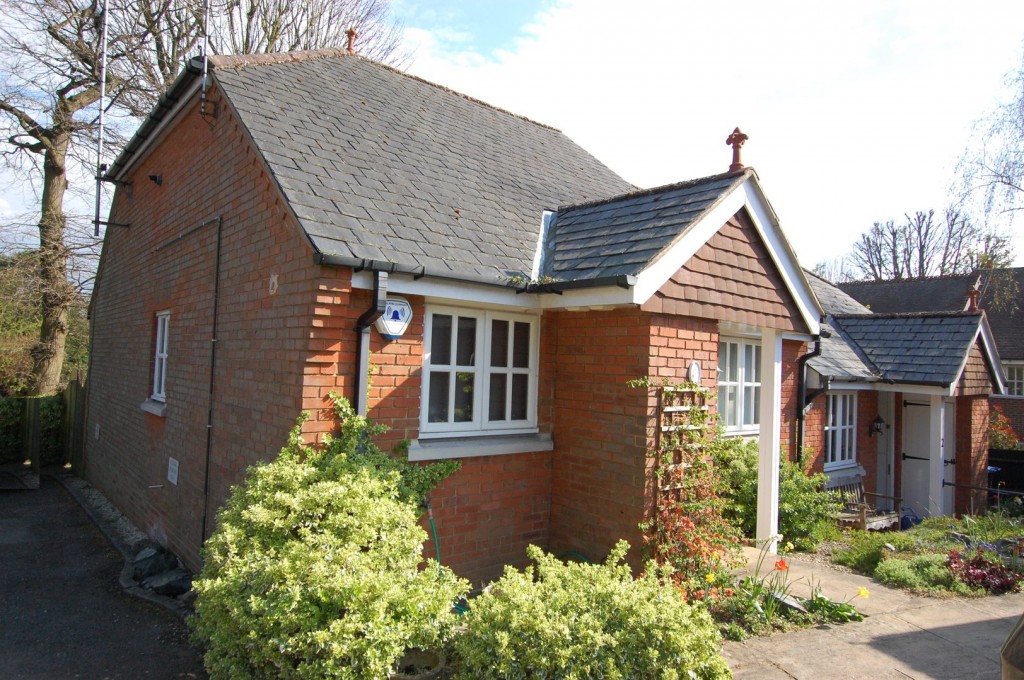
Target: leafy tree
[50,70]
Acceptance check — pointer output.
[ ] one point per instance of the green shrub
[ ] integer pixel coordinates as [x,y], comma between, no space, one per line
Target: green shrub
[11,412]
[314,569]
[925,573]
[577,621]
[868,548]
[806,512]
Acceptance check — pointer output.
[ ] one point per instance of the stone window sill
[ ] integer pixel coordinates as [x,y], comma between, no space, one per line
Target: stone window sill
[468,447]
[157,408]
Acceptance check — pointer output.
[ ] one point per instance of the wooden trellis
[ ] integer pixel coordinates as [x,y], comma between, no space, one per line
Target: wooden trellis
[677,431]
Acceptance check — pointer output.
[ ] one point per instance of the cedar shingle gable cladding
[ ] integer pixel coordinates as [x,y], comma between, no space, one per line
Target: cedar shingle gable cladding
[382,166]
[731,278]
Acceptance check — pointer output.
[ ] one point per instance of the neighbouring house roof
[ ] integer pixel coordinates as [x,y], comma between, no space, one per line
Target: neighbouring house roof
[622,235]
[922,349]
[1000,291]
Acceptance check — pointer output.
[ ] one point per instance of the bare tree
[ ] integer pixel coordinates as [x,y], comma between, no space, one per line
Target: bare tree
[255,26]
[992,167]
[834,271]
[50,85]
[926,245]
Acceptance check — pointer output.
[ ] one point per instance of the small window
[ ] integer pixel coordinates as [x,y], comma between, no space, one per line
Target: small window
[480,372]
[841,430]
[163,320]
[739,385]
[1014,379]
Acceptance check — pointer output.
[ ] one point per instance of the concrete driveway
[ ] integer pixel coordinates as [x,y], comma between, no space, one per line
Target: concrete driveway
[62,612]
[903,636]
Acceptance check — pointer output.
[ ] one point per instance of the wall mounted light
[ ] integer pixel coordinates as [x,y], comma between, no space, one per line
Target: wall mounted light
[877,425]
[156,179]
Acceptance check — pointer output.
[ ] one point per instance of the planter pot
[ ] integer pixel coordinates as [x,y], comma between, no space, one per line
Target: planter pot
[419,664]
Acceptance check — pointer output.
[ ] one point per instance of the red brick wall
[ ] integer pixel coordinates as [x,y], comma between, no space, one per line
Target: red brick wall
[972,414]
[166,261]
[599,486]
[790,398]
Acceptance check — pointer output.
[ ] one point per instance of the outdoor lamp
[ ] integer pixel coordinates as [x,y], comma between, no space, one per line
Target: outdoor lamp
[876,426]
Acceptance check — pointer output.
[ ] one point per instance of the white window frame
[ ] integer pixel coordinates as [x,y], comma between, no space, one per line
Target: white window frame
[1014,373]
[482,371]
[841,437]
[747,382]
[163,325]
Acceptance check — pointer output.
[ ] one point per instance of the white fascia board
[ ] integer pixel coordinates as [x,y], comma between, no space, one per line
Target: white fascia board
[991,350]
[581,298]
[840,386]
[745,195]
[909,388]
[452,291]
[162,128]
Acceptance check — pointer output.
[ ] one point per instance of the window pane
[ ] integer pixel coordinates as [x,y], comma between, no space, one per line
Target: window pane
[437,409]
[441,340]
[467,342]
[496,397]
[463,395]
[499,343]
[727,405]
[520,396]
[521,345]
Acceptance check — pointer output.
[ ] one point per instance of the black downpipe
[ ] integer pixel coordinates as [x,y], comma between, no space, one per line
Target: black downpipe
[213,368]
[366,319]
[801,403]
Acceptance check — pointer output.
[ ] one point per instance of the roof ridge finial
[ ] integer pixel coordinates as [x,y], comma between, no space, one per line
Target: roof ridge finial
[972,299]
[736,140]
[351,33]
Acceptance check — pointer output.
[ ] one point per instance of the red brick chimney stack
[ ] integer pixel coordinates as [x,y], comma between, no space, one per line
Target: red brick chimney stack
[972,299]
[735,140]
[351,33]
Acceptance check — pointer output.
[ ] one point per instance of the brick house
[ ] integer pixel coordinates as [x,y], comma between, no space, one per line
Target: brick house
[999,293]
[292,225]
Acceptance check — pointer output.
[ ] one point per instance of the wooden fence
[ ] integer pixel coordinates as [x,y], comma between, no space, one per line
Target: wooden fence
[46,431]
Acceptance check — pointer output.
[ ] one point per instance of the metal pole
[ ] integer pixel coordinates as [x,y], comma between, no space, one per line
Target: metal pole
[103,95]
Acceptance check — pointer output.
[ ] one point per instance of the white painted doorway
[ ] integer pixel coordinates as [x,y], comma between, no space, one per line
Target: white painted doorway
[916,455]
[886,441]
[948,453]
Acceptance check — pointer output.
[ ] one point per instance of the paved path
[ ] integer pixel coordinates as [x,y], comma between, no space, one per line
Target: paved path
[62,613]
[903,636]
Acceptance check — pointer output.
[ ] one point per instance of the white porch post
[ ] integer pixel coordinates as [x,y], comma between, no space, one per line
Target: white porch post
[769,442]
[936,454]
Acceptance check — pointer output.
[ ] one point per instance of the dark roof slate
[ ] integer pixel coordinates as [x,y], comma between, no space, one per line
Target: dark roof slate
[622,235]
[924,349]
[833,299]
[380,165]
[840,358]
[1002,298]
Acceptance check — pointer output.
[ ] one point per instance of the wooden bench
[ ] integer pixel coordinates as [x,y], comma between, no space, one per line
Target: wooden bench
[859,509]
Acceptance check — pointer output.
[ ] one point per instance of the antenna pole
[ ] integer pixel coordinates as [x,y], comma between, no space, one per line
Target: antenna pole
[206,44]
[100,167]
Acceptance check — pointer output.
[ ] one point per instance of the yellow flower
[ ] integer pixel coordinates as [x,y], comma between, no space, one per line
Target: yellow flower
[789,546]
[710,578]
[863,592]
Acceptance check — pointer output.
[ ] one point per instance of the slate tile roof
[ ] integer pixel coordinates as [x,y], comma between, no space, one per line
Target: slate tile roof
[840,357]
[949,294]
[383,166]
[622,234]
[924,349]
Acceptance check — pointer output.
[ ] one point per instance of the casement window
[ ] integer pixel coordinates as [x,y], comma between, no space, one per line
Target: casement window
[841,430]
[1014,379]
[479,373]
[163,321]
[739,385]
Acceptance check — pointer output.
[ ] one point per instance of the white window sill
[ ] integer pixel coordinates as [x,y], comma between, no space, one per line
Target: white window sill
[838,472]
[487,445]
[157,408]
[745,433]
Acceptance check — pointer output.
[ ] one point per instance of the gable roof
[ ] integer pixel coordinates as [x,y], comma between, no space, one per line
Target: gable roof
[920,349]
[840,358]
[377,165]
[1000,288]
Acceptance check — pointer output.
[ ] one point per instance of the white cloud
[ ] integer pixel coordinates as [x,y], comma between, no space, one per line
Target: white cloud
[856,111]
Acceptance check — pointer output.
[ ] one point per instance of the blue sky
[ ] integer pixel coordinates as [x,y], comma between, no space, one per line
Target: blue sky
[856,111]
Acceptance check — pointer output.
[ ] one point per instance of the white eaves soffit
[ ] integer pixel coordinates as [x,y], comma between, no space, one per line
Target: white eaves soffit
[746,195]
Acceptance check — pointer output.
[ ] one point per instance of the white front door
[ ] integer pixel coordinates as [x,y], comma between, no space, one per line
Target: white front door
[916,455]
